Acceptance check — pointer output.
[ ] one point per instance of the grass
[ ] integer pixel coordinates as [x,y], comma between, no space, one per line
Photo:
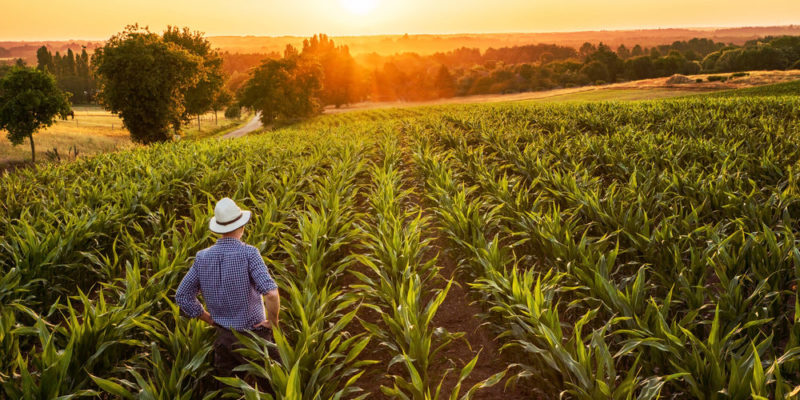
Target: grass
[618,95]
[777,89]
[95,131]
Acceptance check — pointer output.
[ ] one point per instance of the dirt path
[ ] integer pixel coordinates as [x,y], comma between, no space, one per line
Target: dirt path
[252,125]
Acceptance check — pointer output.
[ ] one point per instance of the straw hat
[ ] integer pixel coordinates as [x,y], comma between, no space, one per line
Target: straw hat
[228,217]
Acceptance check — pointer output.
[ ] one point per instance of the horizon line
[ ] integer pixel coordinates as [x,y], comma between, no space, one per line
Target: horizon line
[294,35]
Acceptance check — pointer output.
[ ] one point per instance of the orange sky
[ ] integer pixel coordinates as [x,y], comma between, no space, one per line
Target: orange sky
[85,19]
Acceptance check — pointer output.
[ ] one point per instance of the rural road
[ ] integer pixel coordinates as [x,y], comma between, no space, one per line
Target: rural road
[254,124]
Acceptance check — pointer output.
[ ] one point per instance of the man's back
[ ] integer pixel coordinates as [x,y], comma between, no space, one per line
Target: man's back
[232,276]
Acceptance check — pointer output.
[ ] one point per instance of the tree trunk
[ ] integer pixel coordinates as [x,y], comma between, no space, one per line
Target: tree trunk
[215,118]
[33,149]
[198,122]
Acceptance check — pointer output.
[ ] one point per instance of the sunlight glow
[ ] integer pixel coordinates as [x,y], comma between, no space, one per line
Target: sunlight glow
[359,7]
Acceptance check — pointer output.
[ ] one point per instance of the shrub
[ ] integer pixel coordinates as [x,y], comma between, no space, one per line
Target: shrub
[234,111]
[717,78]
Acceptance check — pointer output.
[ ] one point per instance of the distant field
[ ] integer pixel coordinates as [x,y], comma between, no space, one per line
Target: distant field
[619,95]
[95,131]
[778,89]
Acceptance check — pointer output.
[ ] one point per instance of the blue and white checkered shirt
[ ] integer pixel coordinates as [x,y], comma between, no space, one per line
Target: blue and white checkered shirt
[232,277]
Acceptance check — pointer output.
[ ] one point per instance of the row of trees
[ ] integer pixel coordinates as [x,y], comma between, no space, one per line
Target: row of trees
[765,54]
[72,72]
[463,72]
[156,83]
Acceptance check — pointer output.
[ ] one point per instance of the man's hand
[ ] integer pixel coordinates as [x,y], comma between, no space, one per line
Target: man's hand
[205,316]
[266,324]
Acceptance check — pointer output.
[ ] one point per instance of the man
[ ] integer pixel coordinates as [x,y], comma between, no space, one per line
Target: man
[232,277]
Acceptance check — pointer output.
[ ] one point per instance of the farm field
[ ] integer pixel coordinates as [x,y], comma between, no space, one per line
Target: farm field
[95,131]
[646,89]
[586,250]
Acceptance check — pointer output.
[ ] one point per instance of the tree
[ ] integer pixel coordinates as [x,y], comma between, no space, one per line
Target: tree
[144,79]
[222,100]
[338,69]
[199,98]
[623,52]
[29,101]
[44,60]
[587,49]
[283,90]
[640,67]
[596,71]
[610,61]
[445,83]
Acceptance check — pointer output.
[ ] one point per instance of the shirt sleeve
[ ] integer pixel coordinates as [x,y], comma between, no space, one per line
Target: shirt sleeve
[259,274]
[186,296]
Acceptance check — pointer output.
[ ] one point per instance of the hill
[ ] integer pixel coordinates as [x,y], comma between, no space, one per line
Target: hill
[429,44]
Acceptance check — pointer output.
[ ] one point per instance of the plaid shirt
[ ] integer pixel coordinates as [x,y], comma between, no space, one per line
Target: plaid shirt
[232,276]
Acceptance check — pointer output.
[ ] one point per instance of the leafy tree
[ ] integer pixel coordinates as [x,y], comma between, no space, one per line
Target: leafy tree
[283,90]
[223,99]
[200,97]
[610,61]
[752,58]
[654,53]
[623,52]
[29,101]
[338,69]
[445,82]
[640,67]
[44,60]
[233,111]
[596,71]
[144,79]
[587,49]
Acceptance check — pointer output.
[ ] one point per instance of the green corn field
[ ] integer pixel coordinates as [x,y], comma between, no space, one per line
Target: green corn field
[609,250]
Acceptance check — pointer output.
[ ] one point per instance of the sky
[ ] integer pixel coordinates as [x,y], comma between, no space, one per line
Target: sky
[91,19]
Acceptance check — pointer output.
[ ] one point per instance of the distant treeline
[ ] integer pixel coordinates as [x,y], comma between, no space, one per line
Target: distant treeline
[464,71]
[470,71]
[73,73]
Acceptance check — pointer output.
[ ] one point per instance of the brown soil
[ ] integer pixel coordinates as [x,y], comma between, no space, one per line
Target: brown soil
[459,314]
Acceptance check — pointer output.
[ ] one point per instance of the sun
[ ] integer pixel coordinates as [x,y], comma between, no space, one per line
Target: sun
[359,7]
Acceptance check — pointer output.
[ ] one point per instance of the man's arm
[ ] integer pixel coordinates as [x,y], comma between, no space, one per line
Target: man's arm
[264,284]
[186,297]
[273,302]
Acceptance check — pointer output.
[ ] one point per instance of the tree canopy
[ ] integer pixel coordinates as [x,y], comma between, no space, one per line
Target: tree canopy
[200,97]
[283,90]
[29,101]
[145,79]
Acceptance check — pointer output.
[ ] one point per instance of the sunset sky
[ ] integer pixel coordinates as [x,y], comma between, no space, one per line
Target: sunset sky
[85,19]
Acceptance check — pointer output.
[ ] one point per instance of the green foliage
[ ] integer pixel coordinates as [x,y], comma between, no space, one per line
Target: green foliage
[201,97]
[72,72]
[617,250]
[234,111]
[777,89]
[283,90]
[29,101]
[145,79]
